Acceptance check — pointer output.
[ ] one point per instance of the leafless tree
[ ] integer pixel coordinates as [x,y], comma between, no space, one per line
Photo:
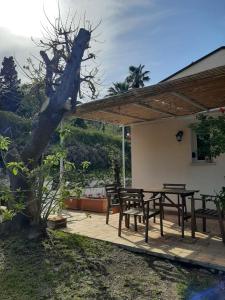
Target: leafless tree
[63,66]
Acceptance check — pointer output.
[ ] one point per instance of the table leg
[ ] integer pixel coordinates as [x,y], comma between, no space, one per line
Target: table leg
[182,215]
[154,206]
[193,225]
[204,219]
[161,214]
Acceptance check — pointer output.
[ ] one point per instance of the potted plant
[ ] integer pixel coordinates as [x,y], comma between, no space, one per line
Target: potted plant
[56,221]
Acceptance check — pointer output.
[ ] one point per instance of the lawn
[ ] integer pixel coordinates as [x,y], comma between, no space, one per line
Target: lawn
[67,266]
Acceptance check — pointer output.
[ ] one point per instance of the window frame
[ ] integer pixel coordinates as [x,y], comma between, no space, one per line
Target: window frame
[194,150]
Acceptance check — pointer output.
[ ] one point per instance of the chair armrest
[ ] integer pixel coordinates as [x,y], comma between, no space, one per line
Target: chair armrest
[197,199]
[152,199]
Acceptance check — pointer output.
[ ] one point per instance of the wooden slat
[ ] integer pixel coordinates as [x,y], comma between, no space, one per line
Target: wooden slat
[147,106]
[126,115]
[189,100]
[179,97]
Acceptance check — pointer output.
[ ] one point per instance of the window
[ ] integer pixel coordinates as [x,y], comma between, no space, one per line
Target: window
[200,148]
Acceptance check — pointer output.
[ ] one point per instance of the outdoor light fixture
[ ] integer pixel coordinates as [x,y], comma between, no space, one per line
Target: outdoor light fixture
[179,135]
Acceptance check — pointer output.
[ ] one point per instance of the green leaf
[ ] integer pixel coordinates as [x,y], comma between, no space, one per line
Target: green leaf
[15,171]
[4,143]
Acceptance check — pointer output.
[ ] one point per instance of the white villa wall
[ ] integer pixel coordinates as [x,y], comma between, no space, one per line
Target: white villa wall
[158,158]
[215,60]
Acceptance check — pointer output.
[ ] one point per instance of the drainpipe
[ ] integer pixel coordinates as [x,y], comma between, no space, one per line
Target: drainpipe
[123,157]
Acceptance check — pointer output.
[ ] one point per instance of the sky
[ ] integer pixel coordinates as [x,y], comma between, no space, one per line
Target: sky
[163,35]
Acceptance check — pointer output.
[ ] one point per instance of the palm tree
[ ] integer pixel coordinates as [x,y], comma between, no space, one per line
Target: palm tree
[118,88]
[137,77]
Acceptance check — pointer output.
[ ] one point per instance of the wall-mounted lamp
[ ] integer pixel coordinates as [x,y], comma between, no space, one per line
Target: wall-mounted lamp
[179,135]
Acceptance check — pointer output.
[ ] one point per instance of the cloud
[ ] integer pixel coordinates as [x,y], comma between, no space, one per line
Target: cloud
[125,26]
[18,46]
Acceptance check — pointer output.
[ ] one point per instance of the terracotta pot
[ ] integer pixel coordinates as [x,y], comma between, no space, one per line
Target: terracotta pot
[55,222]
[72,203]
[115,209]
[94,204]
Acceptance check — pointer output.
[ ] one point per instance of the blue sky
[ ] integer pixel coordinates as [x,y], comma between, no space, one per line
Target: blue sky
[164,35]
[172,34]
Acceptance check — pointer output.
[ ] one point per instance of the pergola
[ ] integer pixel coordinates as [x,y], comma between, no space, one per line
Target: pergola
[181,97]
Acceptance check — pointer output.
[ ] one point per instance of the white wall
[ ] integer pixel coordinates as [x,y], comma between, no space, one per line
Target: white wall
[158,158]
[215,60]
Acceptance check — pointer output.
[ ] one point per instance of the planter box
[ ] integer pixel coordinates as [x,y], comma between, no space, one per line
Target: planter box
[89,204]
[116,209]
[73,203]
[94,204]
[55,222]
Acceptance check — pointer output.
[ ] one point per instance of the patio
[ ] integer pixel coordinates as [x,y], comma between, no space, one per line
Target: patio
[206,250]
[156,115]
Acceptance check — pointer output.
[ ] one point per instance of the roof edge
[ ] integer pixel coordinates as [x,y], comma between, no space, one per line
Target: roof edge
[151,90]
[193,63]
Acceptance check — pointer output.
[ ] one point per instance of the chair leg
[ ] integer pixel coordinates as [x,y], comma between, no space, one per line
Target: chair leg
[185,209]
[128,221]
[135,223]
[154,209]
[161,217]
[221,224]
[178,210]
[120,224]
[222,230]
[107,215]
[146,229]
[195,224]
[204,224]
[139,219]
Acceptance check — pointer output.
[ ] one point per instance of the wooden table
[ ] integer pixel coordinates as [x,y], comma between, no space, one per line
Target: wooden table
[183,193]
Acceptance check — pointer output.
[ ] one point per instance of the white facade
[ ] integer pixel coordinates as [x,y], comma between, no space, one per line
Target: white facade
[157,158]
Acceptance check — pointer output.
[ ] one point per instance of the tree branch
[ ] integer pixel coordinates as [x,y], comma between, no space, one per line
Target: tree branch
[50,118]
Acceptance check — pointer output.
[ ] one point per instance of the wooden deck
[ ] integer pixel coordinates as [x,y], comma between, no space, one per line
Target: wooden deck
[206,250]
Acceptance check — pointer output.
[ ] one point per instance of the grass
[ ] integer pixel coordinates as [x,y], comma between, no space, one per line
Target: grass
[67,266]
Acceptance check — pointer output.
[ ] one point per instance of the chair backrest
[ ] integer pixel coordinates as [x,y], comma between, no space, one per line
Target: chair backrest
[111,191]
[175,186]
[208,198]
[212,198]
[130,197]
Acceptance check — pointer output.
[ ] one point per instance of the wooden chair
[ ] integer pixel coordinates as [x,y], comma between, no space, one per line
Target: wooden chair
[208,213]
[112,198]
[132,203]
[178,205]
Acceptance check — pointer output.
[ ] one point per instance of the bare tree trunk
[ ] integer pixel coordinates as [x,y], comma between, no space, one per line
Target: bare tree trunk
[50,118]
[69,88]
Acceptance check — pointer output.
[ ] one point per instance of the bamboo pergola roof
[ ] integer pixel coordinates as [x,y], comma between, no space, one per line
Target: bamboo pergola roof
[175,98]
